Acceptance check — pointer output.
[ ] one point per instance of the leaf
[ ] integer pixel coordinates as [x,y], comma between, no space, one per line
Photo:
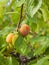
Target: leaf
[45,12]
[11,61]
[2,44]
[46,63]
[41,61]
[2,7]
[8,61]
[1,11]
[34,10]
[2,60]
[40,43]
[19,3]
[6,30]
[14,61]
[21,46]
[32,62]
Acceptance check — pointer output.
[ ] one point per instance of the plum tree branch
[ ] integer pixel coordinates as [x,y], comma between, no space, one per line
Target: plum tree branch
[20,20]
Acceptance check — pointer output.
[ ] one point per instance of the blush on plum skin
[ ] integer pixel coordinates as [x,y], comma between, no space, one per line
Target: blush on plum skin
[9,37]
[24,30]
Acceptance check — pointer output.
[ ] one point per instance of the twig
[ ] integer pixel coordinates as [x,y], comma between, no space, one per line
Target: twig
[33,33]
[20,20]
[29,45]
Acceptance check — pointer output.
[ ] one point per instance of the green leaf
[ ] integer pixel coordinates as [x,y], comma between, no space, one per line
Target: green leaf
[8,61]
[21,46]
[2,60]
[2,7]
[11,61]
[19,3]
[6,30]
[45,12]
[40,43]
[33,10]
[41,61]
[2,44]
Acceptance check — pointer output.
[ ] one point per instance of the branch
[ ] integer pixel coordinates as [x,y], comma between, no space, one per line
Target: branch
[20,20]
[29,45]
[33,33]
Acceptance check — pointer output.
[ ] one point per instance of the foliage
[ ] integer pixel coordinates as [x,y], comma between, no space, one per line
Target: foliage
[33,49]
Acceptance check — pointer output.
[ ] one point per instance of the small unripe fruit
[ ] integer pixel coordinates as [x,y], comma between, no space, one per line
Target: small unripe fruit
[24,30]
[9,37]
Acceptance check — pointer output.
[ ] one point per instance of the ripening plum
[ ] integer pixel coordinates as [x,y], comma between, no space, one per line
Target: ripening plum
[24,30]
[9,37]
